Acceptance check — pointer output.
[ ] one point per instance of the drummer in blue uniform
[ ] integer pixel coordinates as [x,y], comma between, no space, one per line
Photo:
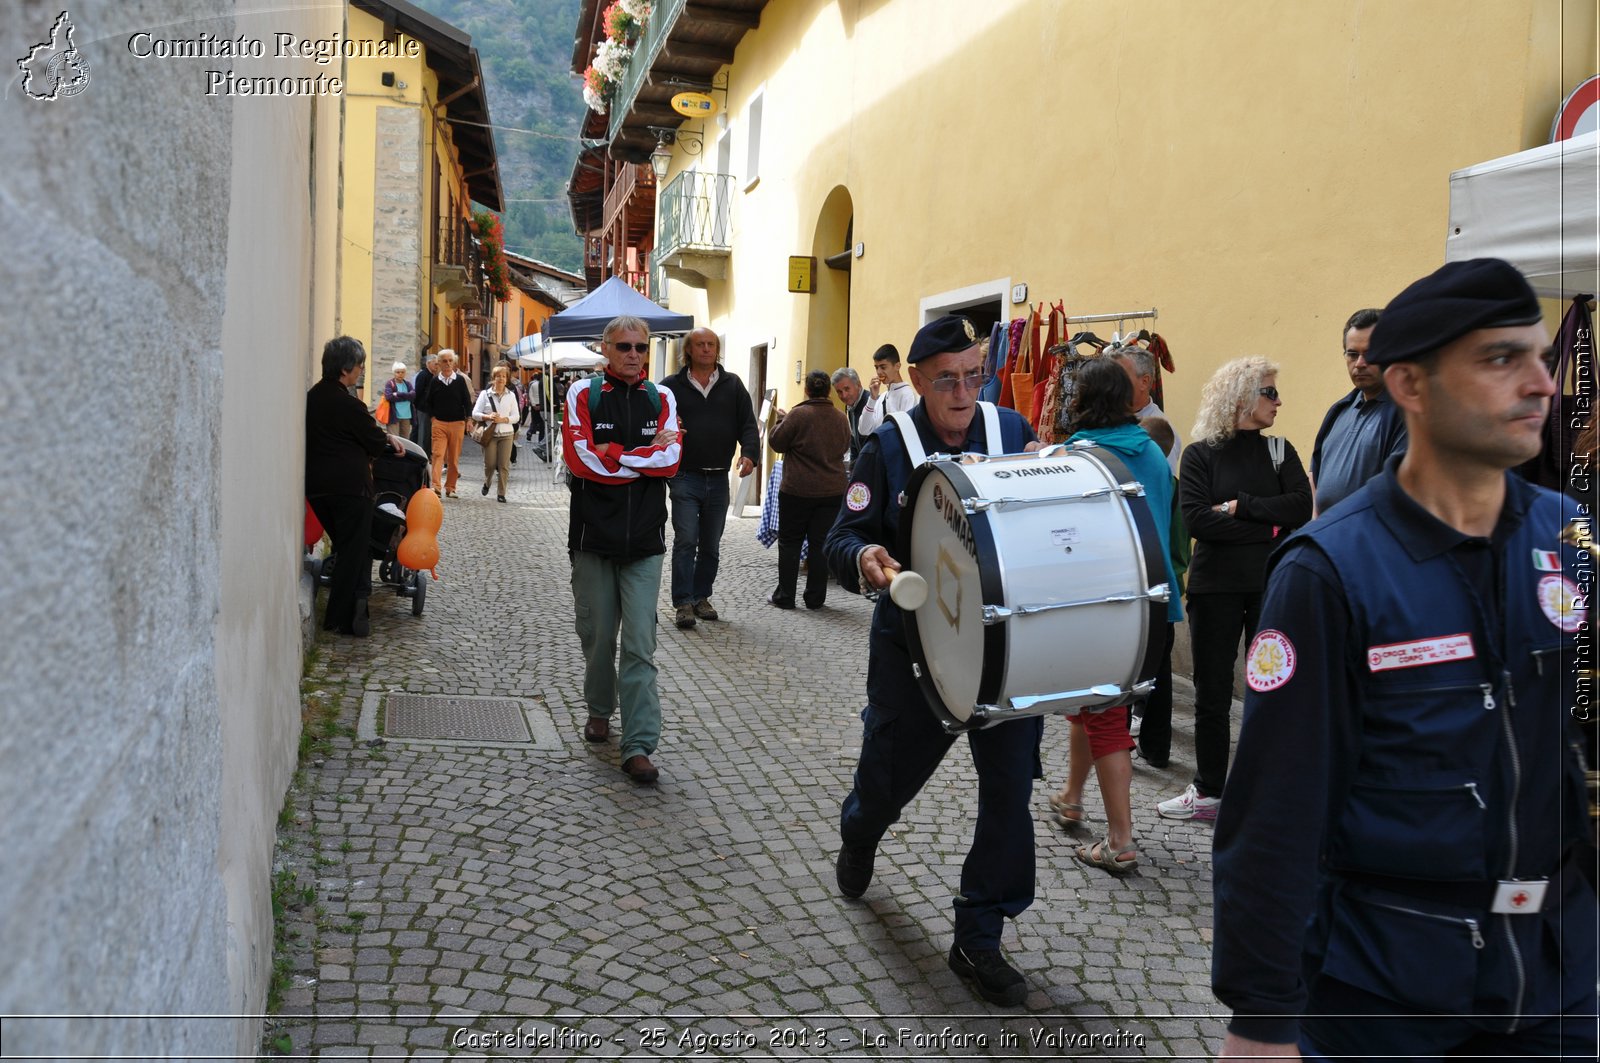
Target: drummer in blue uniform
[903,740]
[1399,860]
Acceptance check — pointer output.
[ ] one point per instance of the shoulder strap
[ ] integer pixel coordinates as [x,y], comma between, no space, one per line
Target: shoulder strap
[1275,448]
[913,443]
[909,438]
[991,427]
[594,394]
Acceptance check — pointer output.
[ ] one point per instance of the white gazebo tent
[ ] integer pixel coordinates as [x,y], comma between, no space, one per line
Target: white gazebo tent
[1539,210]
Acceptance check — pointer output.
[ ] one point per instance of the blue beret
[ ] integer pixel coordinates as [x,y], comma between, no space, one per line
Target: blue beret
[949,333]
[1453,300]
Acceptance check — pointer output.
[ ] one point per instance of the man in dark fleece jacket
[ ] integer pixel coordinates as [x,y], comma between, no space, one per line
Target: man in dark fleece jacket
[716,415]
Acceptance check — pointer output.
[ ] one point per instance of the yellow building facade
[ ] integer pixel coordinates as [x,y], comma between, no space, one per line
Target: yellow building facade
[1255,171]
[415,155]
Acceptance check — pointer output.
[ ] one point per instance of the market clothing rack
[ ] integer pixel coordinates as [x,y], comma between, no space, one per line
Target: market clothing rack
[1131,315]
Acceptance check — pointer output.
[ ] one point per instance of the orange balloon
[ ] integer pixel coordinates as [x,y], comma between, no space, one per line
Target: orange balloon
[419,549]
[418,553]
[424,512]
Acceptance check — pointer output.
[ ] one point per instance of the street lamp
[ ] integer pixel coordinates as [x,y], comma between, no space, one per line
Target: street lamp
[660,159]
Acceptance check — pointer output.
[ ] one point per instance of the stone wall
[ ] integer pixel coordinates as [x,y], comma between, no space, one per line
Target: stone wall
[398,329]
[157,317]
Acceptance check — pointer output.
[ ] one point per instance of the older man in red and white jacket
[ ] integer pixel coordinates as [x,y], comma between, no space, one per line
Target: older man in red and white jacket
[621,444]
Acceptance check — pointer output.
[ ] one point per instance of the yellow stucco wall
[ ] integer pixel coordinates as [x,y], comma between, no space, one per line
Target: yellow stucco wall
[364,94]
[1256,170]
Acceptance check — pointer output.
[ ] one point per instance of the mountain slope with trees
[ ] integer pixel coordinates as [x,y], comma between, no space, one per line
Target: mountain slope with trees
[525,47]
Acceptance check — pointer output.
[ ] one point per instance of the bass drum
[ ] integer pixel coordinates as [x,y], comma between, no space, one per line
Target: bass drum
[1046,586]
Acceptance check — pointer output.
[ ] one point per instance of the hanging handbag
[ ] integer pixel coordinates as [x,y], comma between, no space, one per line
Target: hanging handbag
[1013,343]
[480,431]
[1046,361]
[382,412]
[1022,372]
[1576,382]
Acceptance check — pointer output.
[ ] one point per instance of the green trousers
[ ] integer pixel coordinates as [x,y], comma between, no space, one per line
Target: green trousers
[612,597]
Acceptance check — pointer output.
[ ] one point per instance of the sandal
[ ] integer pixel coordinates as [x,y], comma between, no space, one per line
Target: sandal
[1068,811]
[1101,855]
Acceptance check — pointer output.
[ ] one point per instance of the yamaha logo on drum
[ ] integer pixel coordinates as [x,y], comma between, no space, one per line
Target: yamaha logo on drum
[1037,470]
[950,509]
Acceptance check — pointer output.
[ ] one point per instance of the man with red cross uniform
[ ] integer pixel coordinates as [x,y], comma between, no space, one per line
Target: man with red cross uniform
[1400,863]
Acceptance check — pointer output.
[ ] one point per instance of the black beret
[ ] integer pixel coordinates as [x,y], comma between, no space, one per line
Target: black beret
[949,333]
[1453,300]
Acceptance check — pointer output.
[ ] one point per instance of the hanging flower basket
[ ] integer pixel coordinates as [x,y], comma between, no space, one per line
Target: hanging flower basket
[492,241]
[621,24]
[597,89]
[624,21]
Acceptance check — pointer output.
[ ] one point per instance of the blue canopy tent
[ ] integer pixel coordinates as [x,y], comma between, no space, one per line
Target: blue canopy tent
[584,319]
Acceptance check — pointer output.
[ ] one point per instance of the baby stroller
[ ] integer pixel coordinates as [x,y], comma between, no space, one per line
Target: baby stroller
[396,478]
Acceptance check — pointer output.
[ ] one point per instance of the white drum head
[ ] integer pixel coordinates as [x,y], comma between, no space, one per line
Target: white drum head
[950,623]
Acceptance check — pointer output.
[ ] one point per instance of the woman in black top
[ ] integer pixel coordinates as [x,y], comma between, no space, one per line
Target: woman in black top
[1240,493]
[342,438]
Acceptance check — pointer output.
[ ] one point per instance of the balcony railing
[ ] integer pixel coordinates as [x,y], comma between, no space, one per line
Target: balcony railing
[456,245]
[695,212]
[457,265]
[630,178]
[656,29]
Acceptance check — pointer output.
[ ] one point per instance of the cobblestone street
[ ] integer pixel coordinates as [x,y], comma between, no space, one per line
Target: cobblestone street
[527,900]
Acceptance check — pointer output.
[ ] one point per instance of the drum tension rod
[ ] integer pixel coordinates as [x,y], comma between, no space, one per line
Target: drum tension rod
[1104,696]
[1132,489]
[994,614]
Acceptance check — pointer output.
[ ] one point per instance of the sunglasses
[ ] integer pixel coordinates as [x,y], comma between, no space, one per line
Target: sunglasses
[947,382]
[1268,393]
[637,348]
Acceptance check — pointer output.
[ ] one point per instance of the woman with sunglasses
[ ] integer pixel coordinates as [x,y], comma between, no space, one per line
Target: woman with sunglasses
[1240,492]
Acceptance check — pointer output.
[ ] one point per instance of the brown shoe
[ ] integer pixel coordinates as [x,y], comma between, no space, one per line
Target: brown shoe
[705,610]
[685,616]
[597,729]
[639,769]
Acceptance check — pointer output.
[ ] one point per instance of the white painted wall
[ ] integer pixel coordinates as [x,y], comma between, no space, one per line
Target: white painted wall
[157,317]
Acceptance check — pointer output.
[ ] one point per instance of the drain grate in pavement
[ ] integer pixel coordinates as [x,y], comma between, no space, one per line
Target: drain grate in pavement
[455,719]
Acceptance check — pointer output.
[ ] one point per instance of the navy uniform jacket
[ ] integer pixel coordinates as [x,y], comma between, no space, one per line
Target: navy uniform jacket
[1408,740]
[871,515]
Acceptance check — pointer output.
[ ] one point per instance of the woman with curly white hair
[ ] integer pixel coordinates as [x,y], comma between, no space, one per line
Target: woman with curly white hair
[1240,492]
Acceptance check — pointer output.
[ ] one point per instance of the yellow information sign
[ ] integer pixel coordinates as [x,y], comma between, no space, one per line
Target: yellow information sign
[694,104]
[803,274]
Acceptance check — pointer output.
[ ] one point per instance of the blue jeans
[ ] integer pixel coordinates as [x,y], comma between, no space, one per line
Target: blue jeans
[699,511]
[612,598]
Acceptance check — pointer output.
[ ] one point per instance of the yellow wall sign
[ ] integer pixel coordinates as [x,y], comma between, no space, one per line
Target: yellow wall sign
[802,274]
[694,104]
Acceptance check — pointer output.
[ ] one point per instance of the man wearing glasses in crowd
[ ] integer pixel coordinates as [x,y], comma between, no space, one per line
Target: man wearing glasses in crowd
[621,444]
[903,741]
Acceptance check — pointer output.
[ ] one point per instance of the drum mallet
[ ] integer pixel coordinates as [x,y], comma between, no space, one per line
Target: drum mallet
[908,590]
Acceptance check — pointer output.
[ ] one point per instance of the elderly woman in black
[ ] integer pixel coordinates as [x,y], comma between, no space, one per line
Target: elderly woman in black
[342,438]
